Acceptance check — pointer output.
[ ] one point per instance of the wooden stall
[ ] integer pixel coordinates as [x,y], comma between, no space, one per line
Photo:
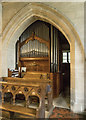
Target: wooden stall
[28,87]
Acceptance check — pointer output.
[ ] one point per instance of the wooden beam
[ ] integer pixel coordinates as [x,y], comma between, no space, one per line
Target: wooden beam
[26,41]
[34,58]
[32,37]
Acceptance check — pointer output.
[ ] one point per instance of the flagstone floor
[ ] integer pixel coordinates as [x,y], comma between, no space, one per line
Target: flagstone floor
[61,113]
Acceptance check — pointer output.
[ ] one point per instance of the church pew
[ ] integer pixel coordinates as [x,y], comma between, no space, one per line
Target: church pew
[19,109]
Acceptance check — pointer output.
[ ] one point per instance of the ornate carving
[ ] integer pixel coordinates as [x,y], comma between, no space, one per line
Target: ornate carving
[2,86]
[33,64]
[13,88]
[39,91]
[26,89]
[48,76]
[41,76]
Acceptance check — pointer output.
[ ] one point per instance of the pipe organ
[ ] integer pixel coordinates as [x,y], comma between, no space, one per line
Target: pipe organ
[34,49]
[39,51]
[34,54]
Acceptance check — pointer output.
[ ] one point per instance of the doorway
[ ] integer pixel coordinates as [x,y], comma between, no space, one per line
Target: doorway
[65,69]
[60,67]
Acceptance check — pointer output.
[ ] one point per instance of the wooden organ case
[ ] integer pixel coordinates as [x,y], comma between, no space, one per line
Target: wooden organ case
[34,54]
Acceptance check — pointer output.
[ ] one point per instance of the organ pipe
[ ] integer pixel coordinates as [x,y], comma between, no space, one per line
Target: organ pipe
[54,50]
[34,49]
[58,55]
[40,29]
[52,55]
[56,62]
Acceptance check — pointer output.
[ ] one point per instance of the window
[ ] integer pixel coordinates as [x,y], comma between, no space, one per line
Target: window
[66,57]
[69,57]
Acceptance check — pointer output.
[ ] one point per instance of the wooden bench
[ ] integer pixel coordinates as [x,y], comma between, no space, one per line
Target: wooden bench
[19,109]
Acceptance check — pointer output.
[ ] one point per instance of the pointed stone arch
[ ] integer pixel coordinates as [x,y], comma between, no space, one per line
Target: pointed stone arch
[38,11]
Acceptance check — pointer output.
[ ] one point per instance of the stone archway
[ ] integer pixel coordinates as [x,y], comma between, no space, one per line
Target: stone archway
[38,11]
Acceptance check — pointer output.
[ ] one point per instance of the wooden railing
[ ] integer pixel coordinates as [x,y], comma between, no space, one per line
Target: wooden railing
[27,87]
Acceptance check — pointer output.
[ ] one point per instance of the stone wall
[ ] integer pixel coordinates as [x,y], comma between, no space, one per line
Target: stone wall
[74,13]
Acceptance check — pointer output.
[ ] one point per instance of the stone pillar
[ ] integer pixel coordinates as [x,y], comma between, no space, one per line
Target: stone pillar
[1,49]
[85,83]
[77,83]
[72,75]
[85,54]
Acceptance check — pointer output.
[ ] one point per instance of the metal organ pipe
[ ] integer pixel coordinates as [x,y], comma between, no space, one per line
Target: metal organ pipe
[56,52]
[35,48]
[52,48]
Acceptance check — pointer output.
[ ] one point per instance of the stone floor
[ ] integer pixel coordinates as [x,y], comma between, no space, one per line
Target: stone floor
[63,113]
[62,110]
[60,102]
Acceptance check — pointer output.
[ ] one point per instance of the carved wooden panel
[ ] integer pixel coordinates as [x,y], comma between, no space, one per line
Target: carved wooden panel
[36,65]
